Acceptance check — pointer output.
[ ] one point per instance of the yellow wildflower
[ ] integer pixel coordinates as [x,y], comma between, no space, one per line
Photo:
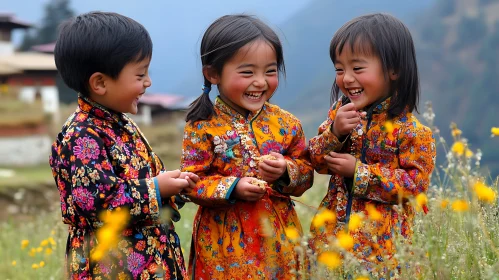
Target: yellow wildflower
[484,193]
[373,213]
[456,132]
[32,252]
[421,200]
[97,254]
[323,217]
[48,251]
[345,240]
[44,243]
[42,264]
[362,278]
[468,153]
[106,235]
[39,249]
[495,131]
[444,203]
[51,241]
[458,148]
[459,205]
[35,266]
[116,219]
[292,233]
[14,263]
[388,127]
[330,259]
[355,221]
[24,244]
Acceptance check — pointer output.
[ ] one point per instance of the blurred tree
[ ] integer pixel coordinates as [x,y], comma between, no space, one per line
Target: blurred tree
[56,11]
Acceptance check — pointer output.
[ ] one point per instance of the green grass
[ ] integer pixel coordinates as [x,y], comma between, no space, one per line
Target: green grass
[447,244]
[27,177]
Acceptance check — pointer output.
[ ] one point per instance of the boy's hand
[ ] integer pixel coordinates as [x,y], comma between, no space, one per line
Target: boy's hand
[192,182]
[341,164]
[244,190]
[347,118]
[271,170]
[170,182]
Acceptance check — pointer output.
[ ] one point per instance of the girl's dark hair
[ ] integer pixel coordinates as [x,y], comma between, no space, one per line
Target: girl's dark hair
[388,38]
[221,41]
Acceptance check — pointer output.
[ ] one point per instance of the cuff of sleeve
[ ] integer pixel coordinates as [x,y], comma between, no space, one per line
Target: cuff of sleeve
[361,179]
[288,180]
[334,143]
[158,195]
[229,191]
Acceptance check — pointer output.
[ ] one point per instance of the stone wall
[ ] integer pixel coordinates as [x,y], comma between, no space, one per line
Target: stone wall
[24,150]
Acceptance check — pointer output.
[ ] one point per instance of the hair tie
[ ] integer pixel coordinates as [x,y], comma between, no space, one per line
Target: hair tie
[206,89]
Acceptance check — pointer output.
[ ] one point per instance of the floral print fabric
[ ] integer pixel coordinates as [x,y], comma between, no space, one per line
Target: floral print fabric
[394,161]
[101,162]
[234,239]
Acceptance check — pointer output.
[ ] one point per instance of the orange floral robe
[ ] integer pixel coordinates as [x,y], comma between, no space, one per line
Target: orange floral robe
[234,239]
[394,163]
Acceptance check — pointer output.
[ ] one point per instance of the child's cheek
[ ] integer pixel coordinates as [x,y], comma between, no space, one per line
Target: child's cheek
[272,82]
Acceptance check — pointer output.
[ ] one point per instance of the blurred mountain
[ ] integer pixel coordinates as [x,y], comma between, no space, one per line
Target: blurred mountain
[458,51]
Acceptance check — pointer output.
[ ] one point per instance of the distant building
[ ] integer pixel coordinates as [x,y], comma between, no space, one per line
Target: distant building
[160,107]
[28,93]
[30,75]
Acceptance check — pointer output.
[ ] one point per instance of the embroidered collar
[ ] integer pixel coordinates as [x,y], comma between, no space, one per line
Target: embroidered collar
[380,106]
[85,104]
[227,109]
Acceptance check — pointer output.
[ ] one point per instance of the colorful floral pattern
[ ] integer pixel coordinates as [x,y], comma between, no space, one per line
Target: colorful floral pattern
[394,161]
[235,239]
[100,162]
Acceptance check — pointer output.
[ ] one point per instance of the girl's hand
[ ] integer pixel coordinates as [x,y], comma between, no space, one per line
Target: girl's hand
[271,170]
[347,118]
[341,164]
[244,190]
[170,183]
[192,182]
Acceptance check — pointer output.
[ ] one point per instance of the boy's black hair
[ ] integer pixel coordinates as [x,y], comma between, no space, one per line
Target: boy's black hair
[388,38]
[99,42]
[221,41]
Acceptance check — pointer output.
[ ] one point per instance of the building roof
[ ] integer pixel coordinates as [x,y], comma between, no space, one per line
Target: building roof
[9,20]
[6,69]
[25,61]
[45,48]
[167,101]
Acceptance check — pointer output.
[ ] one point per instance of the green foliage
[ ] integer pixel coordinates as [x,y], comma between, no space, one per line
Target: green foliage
[56,11]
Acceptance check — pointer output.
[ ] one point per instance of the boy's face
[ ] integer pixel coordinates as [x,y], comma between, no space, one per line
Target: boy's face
[123,93]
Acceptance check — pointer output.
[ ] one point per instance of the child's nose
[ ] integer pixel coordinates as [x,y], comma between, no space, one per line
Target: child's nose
[347,78]
[259,82]
[148,82]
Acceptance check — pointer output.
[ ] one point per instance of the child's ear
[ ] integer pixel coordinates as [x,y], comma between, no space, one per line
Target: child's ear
[211,75]
[393,75]
[97,83]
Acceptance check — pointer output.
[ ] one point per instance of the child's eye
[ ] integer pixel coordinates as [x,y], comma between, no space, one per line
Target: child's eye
[338,70]
[142,75]
[272,71]
[357,68]
[246,72]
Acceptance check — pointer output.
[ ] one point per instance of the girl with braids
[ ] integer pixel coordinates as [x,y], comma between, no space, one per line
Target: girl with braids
[241,230]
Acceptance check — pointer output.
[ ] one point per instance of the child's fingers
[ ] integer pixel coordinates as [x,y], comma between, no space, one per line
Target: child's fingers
[194,177]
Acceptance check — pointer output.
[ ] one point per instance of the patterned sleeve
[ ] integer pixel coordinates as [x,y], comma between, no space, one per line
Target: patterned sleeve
[197,156]
[325,142]
[85,169]
[300,171]
[417,154]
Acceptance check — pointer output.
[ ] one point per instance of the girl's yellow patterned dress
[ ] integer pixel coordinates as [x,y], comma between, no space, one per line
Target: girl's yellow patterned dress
[234,239]
[394,161]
